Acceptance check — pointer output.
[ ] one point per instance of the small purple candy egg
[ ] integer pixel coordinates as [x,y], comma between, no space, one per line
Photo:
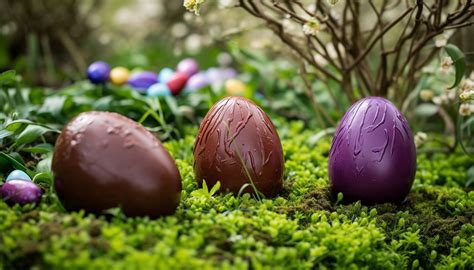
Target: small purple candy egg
[197,81]
[20,192]
[214,75]
[98,72]
[142,80]
[188,66]
[228,73]
[373,154]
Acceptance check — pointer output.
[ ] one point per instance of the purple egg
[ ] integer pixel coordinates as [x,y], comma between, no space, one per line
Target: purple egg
[188,66]
[98,72]
[214,75]
[142,80]
[197,81]
[20,192]
[228,73]
[373,154]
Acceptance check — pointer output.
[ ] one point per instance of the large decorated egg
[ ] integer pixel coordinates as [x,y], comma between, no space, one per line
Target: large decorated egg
[373,154]
[238,145]
[104,160]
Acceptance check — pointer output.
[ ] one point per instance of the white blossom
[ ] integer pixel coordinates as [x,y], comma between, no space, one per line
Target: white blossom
[311,27]
[426,94]
[466,95]
[193,5]
[441,99]
[420,138]
[465,109]
[446,64]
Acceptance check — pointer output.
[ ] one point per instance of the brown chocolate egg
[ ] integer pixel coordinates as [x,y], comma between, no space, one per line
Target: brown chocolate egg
[104,160]
[237,144]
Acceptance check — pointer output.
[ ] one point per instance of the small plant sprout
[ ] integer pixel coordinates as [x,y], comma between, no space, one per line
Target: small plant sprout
[204,193]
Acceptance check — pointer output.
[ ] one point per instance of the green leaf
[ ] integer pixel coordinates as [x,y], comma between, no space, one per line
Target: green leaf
[5,133]
[16,164]
[426,109]
[45,164]
[215,188]
[30,134]
[39,148]
[458,61]
[7,78]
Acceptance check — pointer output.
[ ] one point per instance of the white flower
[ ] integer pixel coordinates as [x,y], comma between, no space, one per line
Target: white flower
[332,2]
[466,85]
[465,109]
[466,95]
[446,64]
[426,94]
[441,99]
[193,5]
[420,138]
[226,3]
[311,27]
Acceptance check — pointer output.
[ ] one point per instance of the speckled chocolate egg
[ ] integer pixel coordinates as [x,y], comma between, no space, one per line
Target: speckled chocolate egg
[104,160]
[373,154]
[237,144]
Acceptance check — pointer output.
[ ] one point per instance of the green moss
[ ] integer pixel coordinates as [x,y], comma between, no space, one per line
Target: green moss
[303,228]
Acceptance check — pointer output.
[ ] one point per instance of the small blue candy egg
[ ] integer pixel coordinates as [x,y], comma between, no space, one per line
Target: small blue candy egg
[165,75]
[98,72]
[158,90]
[18,175]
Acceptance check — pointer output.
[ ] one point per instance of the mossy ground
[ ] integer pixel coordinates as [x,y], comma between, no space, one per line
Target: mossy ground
[303,228]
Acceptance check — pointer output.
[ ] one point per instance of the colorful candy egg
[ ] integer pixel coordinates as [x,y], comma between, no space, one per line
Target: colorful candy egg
[197,81]
[177,83]
[98,72]
[234,87]
[142,80]
[18,175]
[19,191]
[165,75]
[188,66]
[158,90]
[119,75]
